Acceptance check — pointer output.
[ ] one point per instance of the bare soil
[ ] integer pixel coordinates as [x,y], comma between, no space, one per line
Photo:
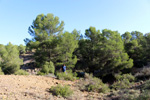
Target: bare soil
[31,87]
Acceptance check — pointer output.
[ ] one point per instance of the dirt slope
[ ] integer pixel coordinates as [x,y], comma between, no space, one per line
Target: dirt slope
[31,87]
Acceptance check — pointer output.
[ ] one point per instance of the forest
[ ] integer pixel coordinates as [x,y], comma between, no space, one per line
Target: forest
[110,61]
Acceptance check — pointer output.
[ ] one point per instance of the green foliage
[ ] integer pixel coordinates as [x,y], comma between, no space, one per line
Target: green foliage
[144,96]
[135,45]
[121,84]
[45,31]
[123,81]
[90,83]
[1,72]
[21,72]
[134,94]
[89,49]
[126,37]
[147,47]
[144,72]
[63,91]
[68,43]
[48,67]
[44,26]
[103,51]
[66,76]
[130,77]
[10,61]
[50,43]
[41,73]
[113,52]
[21,49]
[146,85]
[127,94]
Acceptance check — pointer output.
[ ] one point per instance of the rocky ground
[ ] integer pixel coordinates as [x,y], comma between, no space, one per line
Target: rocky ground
[31,87]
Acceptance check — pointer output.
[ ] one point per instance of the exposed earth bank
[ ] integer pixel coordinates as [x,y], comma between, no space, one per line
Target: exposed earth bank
[31,87]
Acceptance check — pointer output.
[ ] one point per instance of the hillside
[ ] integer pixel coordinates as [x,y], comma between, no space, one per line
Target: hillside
[33,87]
[14,87]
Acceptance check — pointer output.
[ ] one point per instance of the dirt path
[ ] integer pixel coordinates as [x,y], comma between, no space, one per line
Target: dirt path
[30,87]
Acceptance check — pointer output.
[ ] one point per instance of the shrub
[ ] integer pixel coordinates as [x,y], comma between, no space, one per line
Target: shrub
[21,49]
[105,88]
[127,94]
[63,91]
[10,59]
[90,83]
[66,76]
[21,72]
[144,96]
[48,67]
[40,73]
[145,72]
[130,77]
[123,81]
[122,84]
[147,85]
[1,72]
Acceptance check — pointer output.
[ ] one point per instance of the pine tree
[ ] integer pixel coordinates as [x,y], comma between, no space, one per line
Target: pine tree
[44,30]
[135,46]
[50,43]
[68,44]
[10,59]
[103,51]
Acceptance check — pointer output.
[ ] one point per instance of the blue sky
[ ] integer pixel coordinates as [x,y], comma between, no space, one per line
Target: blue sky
[121,15]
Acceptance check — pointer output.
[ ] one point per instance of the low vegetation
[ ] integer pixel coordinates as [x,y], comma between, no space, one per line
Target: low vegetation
[90,83]
[66,75]
[143,73]
[1,72]
[21,72]
[48,67]
[123,81]
[63,91]
[138,93]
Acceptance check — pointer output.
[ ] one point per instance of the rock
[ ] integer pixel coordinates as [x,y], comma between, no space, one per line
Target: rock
[56,82]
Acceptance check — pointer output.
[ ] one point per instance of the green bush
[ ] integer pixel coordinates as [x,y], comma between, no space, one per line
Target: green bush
[1,72]
[105,88]
[144,96]
[10,58]
[123,81]
[63,91]
[122,84]
[130,77]
[48,67]
[127,94]
[21,49]
[146,85]
[66,76]
[145,72]
[21,72]
[90,83]
[40,73]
